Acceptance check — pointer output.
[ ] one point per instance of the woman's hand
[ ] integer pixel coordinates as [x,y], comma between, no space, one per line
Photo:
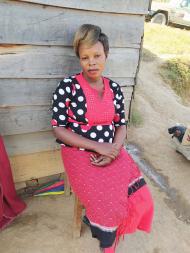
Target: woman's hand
[107,149]
[100,160]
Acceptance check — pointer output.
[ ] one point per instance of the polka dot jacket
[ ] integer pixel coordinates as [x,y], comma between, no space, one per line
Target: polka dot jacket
[75,106]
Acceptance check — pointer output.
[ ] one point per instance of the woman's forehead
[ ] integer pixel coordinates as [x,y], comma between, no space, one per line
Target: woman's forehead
[84,48]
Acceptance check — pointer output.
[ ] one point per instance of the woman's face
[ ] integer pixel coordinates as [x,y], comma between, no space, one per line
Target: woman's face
[92,60]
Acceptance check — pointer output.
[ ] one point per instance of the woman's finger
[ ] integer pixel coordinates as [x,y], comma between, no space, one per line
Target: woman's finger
[99,159]
[102,163]
[93,157]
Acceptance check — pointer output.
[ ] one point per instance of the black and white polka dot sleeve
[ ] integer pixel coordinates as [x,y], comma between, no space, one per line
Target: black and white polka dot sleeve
[119,102]
[60,104]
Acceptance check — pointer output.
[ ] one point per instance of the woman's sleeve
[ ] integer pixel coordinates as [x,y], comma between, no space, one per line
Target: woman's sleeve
[60,104]
[119,102]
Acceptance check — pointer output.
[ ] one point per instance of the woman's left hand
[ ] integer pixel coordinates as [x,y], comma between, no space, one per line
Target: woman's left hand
[100,160]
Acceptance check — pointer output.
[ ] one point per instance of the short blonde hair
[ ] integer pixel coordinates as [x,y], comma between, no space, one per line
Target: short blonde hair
[90,34]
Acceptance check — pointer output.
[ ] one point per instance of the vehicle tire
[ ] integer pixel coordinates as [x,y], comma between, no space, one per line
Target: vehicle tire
[159,18]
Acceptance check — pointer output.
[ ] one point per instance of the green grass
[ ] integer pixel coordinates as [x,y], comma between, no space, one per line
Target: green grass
[136,118]
[166,40]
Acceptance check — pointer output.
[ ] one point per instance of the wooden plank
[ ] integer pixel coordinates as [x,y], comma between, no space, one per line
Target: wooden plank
[31,91]
[124,81]
[36,91]
[34,24]
[54,61]
[67,186]
[21,144]
[119,6]
[128,96]
[37,62]
[30,119]
[127,92]
[20,185]
[26,119]
[27,167]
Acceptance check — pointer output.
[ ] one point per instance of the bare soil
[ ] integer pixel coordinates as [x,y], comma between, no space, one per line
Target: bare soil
[46,225]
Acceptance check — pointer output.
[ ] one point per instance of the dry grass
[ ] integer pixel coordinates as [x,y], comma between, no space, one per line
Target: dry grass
[166,40]
[176,72]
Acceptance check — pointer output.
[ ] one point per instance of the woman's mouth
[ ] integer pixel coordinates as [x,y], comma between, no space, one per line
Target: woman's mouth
[93,71]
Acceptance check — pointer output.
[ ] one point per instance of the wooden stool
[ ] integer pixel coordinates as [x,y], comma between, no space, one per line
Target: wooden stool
[78,207]
[77,218]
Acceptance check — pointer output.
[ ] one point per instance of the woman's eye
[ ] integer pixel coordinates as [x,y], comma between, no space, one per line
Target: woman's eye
[84,58]
[97,55]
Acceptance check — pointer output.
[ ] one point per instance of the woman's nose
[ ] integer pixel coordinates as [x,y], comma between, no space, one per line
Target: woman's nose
[92,61]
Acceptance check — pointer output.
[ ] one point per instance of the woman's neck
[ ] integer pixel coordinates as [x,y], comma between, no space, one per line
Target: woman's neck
[95,83]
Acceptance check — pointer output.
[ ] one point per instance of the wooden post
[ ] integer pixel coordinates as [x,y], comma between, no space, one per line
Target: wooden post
[67,187]
[77,222]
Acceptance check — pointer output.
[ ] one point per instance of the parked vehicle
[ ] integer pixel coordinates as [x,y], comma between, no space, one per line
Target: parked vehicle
[176,12]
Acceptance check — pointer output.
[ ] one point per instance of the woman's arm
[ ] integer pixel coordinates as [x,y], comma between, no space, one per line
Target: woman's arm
[73,139]
[61,99]
[120,136]
[119,139]
[76,140]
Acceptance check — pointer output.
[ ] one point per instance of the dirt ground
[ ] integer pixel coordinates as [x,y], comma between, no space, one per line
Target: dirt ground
[46,225]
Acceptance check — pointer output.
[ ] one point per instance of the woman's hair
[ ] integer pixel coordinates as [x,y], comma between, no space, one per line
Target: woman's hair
[89,35]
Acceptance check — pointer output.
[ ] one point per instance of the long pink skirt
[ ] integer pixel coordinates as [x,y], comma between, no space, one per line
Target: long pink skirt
[104,191]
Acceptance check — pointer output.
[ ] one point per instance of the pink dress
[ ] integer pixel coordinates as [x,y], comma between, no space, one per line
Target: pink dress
[10,204]
[116,197]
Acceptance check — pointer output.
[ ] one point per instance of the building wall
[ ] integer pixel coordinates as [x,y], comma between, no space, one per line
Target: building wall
[36,53]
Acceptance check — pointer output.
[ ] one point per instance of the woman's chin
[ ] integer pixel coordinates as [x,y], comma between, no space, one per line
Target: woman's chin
[94,75]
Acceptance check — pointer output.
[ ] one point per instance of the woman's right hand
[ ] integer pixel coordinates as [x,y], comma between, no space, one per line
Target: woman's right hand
[107,149]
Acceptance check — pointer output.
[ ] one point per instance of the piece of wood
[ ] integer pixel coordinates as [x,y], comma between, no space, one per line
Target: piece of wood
[128,99]
[37,165]
[27,119]
[119,6]
[54,61]
[20,92]
[77,223]
[34,24]
[36,91]
[31,119]
[20,185]
[21,144]
[67,187]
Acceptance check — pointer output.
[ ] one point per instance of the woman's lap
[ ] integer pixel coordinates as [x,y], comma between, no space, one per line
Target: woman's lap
[104,190]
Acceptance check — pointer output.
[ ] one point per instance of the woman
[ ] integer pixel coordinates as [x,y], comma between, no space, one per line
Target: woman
[89,123]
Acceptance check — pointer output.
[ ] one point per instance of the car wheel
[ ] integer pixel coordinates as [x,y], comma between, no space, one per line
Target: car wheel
[159,18]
